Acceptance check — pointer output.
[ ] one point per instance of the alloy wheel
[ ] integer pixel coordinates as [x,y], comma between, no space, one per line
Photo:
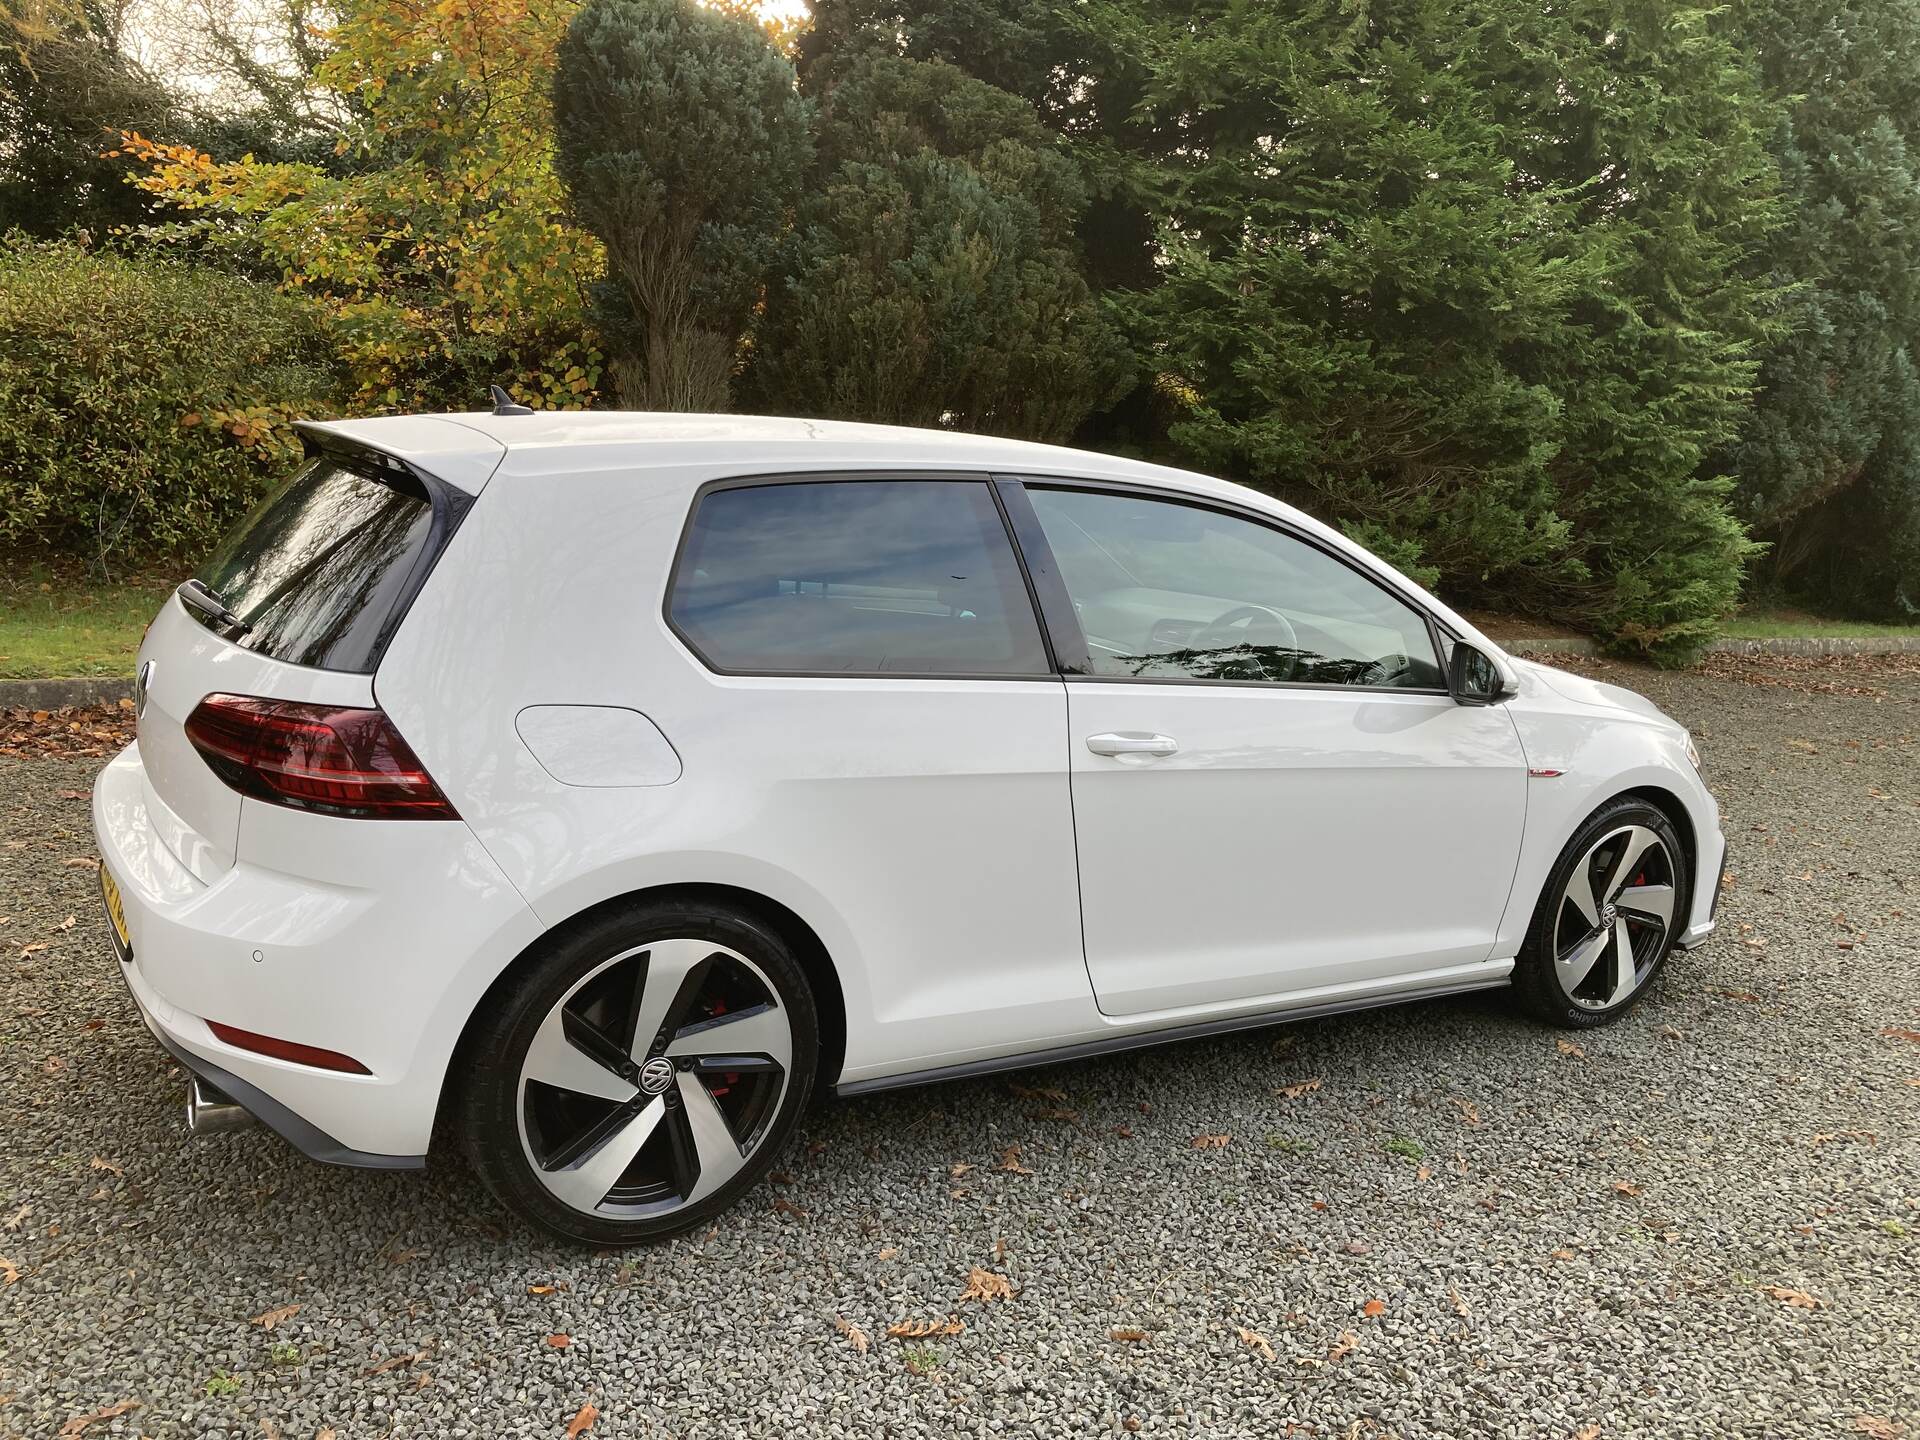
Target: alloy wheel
[1614,917]
[654,1079]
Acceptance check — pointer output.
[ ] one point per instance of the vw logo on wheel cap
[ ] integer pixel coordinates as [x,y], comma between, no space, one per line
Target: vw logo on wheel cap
[656,1075]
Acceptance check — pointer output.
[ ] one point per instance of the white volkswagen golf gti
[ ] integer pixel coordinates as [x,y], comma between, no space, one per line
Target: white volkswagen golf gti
[603,784]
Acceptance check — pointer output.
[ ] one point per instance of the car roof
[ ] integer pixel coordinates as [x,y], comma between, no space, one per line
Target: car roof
[455,447]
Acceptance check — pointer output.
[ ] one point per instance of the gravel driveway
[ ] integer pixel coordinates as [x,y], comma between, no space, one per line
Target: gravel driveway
[1436,1221]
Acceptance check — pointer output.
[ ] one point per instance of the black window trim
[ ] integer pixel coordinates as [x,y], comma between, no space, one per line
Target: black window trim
[1063,623]
[447,506]
[840,477]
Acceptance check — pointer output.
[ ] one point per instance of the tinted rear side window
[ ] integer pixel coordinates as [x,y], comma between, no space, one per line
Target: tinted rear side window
[878,577]
[323,567]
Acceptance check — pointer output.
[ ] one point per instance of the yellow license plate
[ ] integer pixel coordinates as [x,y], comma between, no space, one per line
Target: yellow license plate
[116,912]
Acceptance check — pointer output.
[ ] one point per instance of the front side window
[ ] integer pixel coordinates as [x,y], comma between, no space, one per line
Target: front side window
[876,577]
[1171,591]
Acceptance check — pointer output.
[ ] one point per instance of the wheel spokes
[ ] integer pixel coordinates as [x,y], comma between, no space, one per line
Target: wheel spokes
[715,1153]
[586,1181]
[1650,902]
[1639,840]
[1624,968]
[760,1031]
[1577,963]
[1580,892]
[669,979]
[557,1058]
[654,1078]
[1635,894]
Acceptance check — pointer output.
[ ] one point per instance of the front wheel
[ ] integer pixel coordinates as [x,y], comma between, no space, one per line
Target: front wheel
[1613,906]
[641,1073]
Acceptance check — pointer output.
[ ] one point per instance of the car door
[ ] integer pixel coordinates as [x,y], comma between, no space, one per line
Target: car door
[878,715]
[1275,799]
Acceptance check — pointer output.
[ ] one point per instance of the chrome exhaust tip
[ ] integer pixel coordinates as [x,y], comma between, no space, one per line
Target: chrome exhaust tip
[211,1111]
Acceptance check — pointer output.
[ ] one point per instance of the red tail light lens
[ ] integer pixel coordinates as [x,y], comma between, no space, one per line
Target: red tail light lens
[324,758]
[287,1049]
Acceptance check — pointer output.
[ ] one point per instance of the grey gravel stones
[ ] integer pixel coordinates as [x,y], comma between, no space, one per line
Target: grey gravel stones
[1556,1238]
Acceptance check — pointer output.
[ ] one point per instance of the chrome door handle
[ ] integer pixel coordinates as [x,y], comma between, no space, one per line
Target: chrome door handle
[1131,742]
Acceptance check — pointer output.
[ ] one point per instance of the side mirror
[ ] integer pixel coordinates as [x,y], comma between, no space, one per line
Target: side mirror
[1473,678]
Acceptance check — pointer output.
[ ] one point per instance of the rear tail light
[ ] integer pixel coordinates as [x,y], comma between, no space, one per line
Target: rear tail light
[287,1049]
[324,758]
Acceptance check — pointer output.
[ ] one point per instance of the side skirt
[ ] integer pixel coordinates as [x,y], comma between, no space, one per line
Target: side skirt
[1141,1039]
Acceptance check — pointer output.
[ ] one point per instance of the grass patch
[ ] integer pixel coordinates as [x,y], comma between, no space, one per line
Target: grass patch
[1402,1145]
[1782,623]
[56,623]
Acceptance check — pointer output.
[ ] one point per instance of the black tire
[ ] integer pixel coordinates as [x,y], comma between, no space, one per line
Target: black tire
[1537,978]
[491,1111]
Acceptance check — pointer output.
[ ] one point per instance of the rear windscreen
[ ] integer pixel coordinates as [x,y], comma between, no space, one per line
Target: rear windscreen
[323,567]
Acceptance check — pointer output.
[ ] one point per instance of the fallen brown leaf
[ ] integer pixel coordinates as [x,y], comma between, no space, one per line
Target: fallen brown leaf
[1587,1432]
[889,1252]
[1010,1161]
[542,1289]
[1798,1299]
[856,1337]
[1374,1309]
[1563,1254]
[1344,1346]
[784,1206]
[582,1422]
[9,1272]
[79,1423]
[1041,1092]
[1295,1091]
[1875,1427]
[559,1341]
[920,1329]
[986,1286]
[1130,1337]
[100,1162]
[1254,1340]
[394,1362]
[959,1168]
[17,1219]
[1469,1111]
[1626,1188]
[1459,1305]
[267,1319]
[1900,1032]
[1210,1142]
[1567,1047]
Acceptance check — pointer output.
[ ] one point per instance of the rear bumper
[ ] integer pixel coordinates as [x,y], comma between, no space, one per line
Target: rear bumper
[379,949]
[309,1139]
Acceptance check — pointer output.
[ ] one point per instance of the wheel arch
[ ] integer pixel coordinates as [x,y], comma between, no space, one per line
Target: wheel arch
[1670,805]
[829,996]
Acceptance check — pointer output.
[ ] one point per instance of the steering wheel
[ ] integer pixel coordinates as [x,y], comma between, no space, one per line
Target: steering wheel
[1240,626]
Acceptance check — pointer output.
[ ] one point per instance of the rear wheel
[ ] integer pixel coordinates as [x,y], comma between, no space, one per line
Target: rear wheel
[1612,908]
[642,1073]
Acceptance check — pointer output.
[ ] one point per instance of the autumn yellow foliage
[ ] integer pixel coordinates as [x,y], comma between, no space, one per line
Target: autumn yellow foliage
[437,249]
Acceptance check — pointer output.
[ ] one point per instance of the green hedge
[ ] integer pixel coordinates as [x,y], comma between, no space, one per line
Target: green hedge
[144,402]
